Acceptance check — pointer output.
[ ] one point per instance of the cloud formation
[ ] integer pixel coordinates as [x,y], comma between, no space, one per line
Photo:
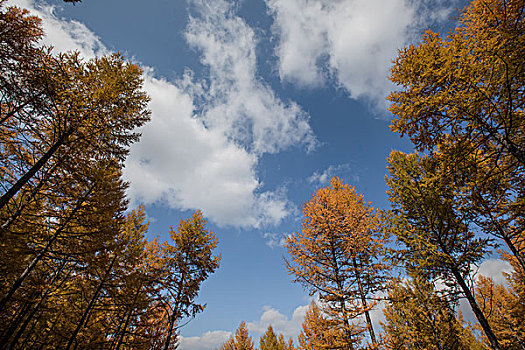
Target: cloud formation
[323,177]
[352,42]
[289,327]
[202,146]
[209,340]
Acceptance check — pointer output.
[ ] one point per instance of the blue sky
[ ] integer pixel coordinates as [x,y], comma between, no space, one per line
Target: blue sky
[255,104]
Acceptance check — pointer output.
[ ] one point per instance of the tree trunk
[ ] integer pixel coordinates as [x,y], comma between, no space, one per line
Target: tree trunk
[91,304]
[41,254]
[128,318]
[21,207]
[37,306]
[477,311]
[6,197]
[365,305]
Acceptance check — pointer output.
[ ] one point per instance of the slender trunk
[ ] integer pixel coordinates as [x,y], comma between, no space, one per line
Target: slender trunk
[342,301]
[128,318]
[512,247]
[91,304]
[171,325]
[477,311]
[506,237]
[21,207]
[26,307]
[175,314]
[364,303]
[41,254]
[6,197]
[37,306]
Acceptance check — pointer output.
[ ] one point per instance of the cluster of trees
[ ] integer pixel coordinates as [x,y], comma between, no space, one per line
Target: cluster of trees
[76,268]
[269,341]
[457,201]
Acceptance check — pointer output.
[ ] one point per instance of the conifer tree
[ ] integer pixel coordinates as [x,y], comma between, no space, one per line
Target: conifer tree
[418,317]
[241,341]
[463,95]
[319,332]
[187,262]
[338,254]
[435,237]
[505,307]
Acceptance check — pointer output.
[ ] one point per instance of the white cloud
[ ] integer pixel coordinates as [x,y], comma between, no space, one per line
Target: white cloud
[238,103]
[495,269]
[274,240]
[202,146]
[289,327]
[352,41]
[281,324]
[323,177]
[209,340]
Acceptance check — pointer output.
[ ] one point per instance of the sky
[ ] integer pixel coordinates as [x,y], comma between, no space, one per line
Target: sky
[255,105]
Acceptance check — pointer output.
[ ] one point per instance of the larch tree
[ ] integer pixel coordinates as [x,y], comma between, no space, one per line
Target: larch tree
[338,254]
[241,341]
[76,272]
[505,306]
[434,235]
[319,332]
[417,316]
[466,90]
[188,261]
[270,341]
[58,112]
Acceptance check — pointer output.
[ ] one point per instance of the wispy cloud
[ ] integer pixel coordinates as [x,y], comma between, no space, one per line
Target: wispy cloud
[274,240]
[322,177]
[350,42]
[238,102]
[202,146]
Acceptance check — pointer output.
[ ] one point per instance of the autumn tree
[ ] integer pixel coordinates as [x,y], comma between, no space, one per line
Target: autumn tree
[466,91]
[270,341]
[434,235]
[188,262]
[76,272]
[338,254]
[319,332]
[417,316]
[505,306]
[58,112]
[241,341]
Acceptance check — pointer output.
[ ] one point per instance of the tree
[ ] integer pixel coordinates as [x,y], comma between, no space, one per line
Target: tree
[338,255]
[436,237]
[320,332]
[466,90]
[269,341]
[241,340]
[187,263]
[59,111]
[505,307]
[418,317]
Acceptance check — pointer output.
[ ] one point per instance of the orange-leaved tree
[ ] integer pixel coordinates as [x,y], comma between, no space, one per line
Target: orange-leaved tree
[338,254]
[466,90]
[241,340]
[188,262]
